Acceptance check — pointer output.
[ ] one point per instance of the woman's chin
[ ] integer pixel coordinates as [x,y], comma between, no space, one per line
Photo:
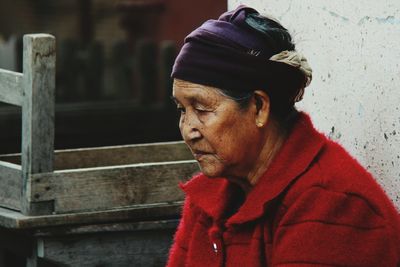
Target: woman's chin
[210,171]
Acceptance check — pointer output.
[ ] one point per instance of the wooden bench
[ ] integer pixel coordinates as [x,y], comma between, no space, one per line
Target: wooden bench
[109,206]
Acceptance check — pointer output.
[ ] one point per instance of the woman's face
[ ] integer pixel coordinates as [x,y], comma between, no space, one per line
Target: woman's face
[223,138]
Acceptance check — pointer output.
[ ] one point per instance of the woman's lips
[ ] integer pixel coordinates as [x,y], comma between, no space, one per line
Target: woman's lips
[199,154]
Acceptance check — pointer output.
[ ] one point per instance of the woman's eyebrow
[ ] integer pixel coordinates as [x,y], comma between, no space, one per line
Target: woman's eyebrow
[199,98]
[195,98]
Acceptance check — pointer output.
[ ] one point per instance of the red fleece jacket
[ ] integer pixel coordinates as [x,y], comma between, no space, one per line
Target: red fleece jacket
[314,206]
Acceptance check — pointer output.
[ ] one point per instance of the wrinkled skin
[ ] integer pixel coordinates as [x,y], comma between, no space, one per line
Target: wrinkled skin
[224,139]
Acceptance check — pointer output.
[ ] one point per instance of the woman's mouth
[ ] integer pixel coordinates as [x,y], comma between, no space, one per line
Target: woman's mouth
[199,154]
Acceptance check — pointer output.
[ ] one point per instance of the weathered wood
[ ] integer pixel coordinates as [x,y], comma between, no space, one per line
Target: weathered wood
[111,187]
[107,227]
[121,155]
[114,155]
[10,185]
[106,197]
[127,242]
[11,87]
[15,220]
[123,248]
[37,107]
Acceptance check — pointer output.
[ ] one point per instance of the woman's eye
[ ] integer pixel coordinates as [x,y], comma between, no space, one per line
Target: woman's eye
[180,110]
[201,110]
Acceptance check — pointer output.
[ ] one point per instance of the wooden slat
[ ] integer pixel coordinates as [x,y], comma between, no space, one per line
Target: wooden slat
[121,155]
[16,220]
[11,87]
[37,107]
[114,155]
[107,227]
[122,248]
[38,104]
[10,185]
[111,187]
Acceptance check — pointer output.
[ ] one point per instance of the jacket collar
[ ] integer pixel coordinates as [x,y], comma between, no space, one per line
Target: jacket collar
[296,154]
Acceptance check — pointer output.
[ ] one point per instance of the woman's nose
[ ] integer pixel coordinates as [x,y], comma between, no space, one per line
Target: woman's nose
[193,134]
[189,129]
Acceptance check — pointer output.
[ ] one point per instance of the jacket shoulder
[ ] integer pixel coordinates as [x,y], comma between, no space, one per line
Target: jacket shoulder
[335,170]
[334,228]
[337,193]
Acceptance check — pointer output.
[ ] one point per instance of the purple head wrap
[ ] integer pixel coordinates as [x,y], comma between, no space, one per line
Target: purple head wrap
[227,53]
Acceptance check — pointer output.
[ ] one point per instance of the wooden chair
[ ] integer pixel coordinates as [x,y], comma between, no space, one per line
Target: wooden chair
[32,90]
[109,206]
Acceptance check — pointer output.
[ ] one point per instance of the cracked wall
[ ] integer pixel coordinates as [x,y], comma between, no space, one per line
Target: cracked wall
[354,98]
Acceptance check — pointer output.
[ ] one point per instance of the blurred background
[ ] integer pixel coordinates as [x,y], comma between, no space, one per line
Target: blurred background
[114,59]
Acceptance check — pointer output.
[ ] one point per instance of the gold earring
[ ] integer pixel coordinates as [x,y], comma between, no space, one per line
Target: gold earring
[260,124]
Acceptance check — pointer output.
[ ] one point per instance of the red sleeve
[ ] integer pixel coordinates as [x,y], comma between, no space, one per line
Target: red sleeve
[177,254]
[327,228]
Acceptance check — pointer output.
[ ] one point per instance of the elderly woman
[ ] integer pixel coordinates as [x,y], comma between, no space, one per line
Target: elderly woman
[272,191]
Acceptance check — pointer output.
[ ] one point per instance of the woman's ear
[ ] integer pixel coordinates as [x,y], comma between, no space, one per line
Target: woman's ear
[262,103]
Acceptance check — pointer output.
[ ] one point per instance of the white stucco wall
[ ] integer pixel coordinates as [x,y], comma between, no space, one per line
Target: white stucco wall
[354,49]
